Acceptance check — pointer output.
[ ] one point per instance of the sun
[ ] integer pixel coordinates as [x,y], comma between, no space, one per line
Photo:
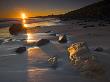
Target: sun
[23,16]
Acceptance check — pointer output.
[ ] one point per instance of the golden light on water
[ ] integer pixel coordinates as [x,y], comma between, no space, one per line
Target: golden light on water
[25,25]
[24,21]
[29,38]
[23,17]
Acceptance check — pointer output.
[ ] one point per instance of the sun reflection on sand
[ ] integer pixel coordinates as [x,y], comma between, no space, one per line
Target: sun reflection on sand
[34,57]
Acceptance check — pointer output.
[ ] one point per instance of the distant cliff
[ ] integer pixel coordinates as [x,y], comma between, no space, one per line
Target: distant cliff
[99,10]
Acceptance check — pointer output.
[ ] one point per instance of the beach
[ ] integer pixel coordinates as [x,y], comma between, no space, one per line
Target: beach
[33,66]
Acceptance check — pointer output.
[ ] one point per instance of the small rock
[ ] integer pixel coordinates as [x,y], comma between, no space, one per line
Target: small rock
[1,41]
[62,39]
[53,61]
[101,24]
[42,42]
[20,50]
[88,26]
[51,33]
[99,49]
[48,31]
[82,24]
[10,39]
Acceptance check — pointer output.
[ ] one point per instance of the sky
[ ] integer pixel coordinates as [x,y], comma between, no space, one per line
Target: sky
[13,8]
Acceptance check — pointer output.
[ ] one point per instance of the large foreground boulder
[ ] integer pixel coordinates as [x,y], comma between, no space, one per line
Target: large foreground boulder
[15,29]
[85,61]
[20,50]
[62,39]
[78,50]
[42,42]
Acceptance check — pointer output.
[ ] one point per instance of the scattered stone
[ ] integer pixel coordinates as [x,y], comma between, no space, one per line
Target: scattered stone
[53,61]
[82,24]
[20,50]
[23,39]
[88,26]
[87,20]
[101,24]
[78,22]
[108,22]
[48,31]
[62,39]
[99,49]
[1,41]
[15,29]
[51,33]
[9,39]
[42,42]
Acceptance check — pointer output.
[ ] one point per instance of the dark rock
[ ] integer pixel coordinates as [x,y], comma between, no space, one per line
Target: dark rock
[20,50]
[51,33]
[10,39]
[88,26]
[62,39]
[48,31]
[1,41]
[101,24]
[15,29]
[42,42]
[78,22]
[82,24]
[99,49]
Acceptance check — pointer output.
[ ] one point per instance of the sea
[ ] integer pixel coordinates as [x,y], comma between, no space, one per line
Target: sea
[29,23]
